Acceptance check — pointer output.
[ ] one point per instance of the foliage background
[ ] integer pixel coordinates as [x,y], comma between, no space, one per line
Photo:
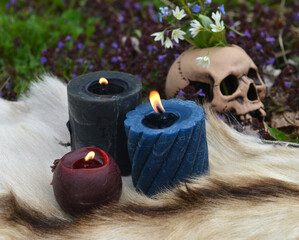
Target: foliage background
[71,37]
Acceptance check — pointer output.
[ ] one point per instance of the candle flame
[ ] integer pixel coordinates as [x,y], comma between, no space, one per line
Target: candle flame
[103,81]
[89,156]
[156,101]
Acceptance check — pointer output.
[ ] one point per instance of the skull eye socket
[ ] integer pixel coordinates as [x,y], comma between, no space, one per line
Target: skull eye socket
[253,75]
[198,90]
[229,85]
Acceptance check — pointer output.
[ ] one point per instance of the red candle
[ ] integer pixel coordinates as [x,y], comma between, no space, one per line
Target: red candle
[85,178]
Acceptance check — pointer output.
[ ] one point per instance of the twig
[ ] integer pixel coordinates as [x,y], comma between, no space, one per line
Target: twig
[280,40]
[282,47]
[283,144]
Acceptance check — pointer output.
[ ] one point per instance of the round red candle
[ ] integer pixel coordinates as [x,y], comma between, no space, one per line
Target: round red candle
[81,184]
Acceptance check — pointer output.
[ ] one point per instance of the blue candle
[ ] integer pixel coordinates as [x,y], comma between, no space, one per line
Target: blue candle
[166,147]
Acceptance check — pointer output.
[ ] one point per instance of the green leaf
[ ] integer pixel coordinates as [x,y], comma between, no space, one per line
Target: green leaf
[281,136]
[202,39]
[205,21]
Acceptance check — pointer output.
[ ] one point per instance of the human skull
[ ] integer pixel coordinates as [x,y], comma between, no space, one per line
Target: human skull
[231,82]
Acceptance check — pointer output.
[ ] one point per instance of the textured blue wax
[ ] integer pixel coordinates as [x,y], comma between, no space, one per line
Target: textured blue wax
[161,158]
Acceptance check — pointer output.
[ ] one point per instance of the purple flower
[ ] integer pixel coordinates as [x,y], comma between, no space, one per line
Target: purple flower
[176,55]
[122,66]
[220,116]
[44,50]
[137,6]
[208,1]
[68,38]
[7,6]
[270,61]
[196,8]
[263,34]
[164,11]
[60,44]
[155,18]
[43,60]
[136,19]
[74,75]
[108,30]
[246,33]
[221,8]
[8,84]
[121,19]
[287,84]
[258,46]
[114,59]
[231,34]
[90,67]
[200,93]
[138,76]
[101,45]
[181,93]
[80,46]
[161,58]
[297,16]
[150,48]
[13,1]
[80,60]
[270,39]
[114,45]
[160,17]
[1,93]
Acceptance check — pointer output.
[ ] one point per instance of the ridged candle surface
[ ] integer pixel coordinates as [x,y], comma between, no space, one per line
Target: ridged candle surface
[161,158]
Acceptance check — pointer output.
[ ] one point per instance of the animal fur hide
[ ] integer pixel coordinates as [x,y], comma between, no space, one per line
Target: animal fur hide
[251,191]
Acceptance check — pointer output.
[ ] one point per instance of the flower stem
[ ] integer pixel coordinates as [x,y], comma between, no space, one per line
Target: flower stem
[186,8]
[189,40]
[200,3]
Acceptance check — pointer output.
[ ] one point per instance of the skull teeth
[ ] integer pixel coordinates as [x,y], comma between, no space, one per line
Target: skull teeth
[248,119]
[263,113]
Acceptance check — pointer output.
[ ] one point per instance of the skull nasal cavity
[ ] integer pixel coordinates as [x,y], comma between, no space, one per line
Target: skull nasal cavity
[229,85]
[252,95]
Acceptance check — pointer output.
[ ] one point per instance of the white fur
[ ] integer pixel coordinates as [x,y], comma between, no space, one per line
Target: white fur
[32,128]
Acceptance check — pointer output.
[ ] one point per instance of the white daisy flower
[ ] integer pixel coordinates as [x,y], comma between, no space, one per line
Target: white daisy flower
[204,61]
[218,27]
[168,43]
[178,14]
[177,34]
[195,28]
[159,36]
[216,16]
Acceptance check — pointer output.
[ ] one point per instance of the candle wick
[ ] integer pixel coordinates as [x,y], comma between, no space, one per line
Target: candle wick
[160,110]
[161,113]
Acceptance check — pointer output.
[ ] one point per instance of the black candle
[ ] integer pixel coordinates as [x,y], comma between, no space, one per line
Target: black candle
[97,112]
